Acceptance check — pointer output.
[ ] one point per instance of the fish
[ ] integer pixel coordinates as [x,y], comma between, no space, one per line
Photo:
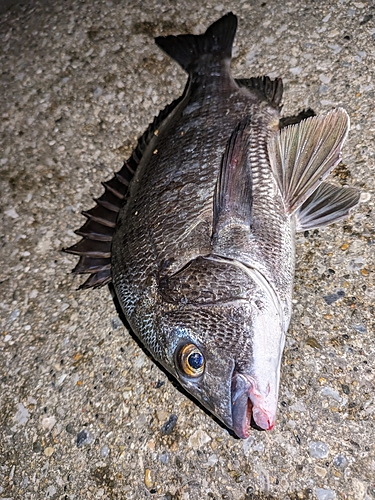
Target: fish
[196,232]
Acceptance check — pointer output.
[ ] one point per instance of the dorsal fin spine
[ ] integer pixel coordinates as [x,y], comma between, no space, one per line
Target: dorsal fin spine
[97,233]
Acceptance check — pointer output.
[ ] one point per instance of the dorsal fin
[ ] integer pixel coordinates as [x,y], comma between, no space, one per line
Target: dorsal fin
[271,90]
[95,247]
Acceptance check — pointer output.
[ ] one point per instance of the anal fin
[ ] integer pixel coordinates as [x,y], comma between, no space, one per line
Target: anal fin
[326,205]
[302,155]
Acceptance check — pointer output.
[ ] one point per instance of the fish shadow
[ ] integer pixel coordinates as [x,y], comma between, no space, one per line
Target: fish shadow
[170,377]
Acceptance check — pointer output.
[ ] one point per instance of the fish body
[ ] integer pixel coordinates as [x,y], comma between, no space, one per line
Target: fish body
[199,228]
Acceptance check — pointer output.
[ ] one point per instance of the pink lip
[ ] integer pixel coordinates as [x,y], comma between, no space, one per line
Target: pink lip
[247,403]
[263,420]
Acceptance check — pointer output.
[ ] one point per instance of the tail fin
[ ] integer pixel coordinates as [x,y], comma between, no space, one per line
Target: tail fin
[186,49]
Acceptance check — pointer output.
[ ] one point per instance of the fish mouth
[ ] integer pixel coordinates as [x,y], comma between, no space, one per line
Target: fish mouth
[247,407]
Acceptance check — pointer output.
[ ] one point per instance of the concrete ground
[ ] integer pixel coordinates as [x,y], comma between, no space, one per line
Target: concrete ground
[83,409]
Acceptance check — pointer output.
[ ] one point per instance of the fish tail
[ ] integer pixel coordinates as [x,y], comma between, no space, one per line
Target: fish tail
[187,49]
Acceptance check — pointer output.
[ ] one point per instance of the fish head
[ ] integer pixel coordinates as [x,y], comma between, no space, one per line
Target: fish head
[227,355]
[255,380]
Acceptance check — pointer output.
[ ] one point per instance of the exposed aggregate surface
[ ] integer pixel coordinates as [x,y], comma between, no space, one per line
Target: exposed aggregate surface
[84,413]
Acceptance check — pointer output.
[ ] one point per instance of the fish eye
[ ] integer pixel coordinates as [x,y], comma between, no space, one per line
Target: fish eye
[191,360]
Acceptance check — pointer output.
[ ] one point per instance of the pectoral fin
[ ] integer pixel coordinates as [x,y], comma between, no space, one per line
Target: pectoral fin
[233,194]
[302,155]
[326,205]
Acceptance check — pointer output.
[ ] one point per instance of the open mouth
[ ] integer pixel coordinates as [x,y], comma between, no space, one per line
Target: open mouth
[247,409]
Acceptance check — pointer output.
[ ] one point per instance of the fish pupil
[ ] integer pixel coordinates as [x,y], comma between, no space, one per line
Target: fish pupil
[195,360]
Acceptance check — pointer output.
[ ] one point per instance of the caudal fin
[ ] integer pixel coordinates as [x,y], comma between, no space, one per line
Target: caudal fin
[187,49]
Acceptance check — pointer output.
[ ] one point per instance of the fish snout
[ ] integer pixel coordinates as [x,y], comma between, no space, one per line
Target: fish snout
[248,404]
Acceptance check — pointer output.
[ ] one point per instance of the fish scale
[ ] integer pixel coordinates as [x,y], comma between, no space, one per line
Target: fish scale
[273,234]
[196,231]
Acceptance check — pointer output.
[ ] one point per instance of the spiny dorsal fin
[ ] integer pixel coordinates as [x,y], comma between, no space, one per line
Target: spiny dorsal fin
[271,90]
[303,155]
[94,249]
[328,204]
[187,49]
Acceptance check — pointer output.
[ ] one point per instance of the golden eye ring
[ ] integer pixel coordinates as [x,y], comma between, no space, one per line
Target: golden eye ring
[191,361]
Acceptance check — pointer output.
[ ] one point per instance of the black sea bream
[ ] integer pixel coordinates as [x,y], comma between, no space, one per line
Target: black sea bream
[196,231]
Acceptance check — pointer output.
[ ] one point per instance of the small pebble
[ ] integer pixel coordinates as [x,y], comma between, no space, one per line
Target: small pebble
[11,474]
[298,406]
[14,315]
[51,490]
[333,297]
[331,393]
[296,70]
[164,458]
[49,451]
[360,328]
[167,428]
[11,213]
[212,460]
[98,92]
[84,437]
[345,389]
[312,342]
[320,471]
[198,439]
[340,461]
[148,479]
[70,428]
[37,447]
[356,264]
[22,415]
[141,420]
[323,494]
[48,423]
[325,78]
[116,323]
[104,452]
[318,449]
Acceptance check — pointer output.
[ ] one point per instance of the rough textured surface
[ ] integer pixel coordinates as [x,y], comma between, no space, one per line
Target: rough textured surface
[84,413]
